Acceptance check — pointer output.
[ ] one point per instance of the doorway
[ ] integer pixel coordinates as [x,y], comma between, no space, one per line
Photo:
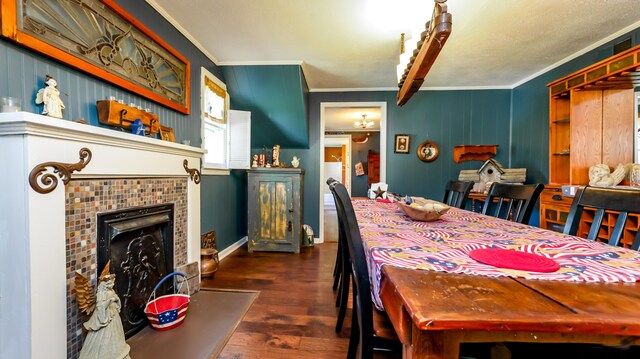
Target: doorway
[363,126]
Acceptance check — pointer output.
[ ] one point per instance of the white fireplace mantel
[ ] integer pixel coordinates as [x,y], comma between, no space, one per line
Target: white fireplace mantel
[32,225]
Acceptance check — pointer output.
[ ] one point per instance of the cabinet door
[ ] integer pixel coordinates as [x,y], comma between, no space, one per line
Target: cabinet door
[586,133]
[617,127]
[274,210]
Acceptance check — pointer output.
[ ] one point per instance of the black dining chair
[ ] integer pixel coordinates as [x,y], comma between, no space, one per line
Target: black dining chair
[512,202]
[624,201]
[370,328]
[341,271]
[456,193]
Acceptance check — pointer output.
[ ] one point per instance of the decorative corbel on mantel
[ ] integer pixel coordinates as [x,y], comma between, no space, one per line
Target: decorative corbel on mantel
[194,173]
[44,182]
[432,41]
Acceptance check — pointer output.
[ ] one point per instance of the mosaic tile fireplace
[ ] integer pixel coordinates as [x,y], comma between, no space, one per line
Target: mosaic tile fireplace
[47,237]
[90,202]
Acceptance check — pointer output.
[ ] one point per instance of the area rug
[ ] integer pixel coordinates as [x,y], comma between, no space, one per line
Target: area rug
[212,318]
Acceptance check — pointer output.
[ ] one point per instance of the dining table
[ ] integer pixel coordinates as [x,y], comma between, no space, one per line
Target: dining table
[437,296]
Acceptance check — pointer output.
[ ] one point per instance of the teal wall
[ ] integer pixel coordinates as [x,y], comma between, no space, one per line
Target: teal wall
[22,72]
[447,118]
[276,97]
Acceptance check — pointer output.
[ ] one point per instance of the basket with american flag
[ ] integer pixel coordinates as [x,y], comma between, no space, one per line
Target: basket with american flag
[168,311]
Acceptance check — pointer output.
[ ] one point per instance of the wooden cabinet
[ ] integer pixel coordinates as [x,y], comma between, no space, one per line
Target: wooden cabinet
[275,209]
[591,114]
[373,168]
[554,208]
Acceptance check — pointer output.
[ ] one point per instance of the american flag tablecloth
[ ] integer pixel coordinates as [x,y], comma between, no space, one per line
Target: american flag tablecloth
[392,238]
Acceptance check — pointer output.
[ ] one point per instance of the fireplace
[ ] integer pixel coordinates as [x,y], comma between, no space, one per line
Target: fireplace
[55,235]
[139,244]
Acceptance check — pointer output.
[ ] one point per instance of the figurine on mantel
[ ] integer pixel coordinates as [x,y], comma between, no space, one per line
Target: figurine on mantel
[50,96]
[295,162]
[275,154]
[254,164]
[105,337]
[600,175]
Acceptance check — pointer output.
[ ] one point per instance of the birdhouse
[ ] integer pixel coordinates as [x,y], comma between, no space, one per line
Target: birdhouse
[492,171]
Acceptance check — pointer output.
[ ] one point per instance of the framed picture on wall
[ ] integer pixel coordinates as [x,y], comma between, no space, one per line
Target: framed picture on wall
[402,144]
[359,169]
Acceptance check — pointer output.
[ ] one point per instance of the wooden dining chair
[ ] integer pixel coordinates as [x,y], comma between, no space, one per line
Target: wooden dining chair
[624,201]
[456,193]
[370,328]
[341,271]
[512,202]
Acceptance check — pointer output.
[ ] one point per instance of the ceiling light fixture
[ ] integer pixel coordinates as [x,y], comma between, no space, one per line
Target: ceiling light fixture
[419,52]
[364,123]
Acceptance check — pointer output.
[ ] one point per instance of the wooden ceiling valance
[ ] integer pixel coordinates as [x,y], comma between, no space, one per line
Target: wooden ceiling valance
[621,71]
[431,42]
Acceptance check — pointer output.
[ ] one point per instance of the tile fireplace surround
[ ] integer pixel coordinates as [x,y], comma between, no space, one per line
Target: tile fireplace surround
[35,242]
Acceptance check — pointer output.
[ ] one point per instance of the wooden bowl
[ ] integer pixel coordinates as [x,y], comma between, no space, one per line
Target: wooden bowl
[420,214]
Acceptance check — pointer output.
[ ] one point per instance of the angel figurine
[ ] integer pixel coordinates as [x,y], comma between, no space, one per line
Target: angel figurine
[105,337]
[50,96]
[600,175]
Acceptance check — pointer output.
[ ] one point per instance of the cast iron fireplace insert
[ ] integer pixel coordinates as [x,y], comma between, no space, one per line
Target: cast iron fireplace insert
[139,243]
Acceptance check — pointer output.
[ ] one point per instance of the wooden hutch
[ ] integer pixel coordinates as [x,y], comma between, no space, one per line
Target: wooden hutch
[591,120]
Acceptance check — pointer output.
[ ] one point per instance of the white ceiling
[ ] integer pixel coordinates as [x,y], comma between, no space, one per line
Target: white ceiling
[354,44]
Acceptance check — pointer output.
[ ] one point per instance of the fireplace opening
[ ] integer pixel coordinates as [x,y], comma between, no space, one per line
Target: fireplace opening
[139,243]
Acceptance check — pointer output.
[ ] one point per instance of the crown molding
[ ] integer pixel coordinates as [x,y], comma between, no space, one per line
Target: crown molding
[593,46]
[395,89]
[182,30]
[465,88]
[260,63]
[357,89]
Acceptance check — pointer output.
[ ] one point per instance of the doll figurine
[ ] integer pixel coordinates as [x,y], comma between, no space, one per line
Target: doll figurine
[50,96]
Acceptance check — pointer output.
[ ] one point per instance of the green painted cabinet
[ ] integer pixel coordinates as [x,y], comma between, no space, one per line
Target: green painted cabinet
[275,209]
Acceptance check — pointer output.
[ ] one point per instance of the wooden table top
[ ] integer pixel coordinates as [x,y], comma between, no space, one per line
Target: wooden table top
[451,301]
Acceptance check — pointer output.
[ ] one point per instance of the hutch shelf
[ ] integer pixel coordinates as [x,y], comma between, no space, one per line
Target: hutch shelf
[591,118]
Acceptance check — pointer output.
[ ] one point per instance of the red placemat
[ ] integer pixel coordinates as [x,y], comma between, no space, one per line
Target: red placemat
[383,201]
[503,258]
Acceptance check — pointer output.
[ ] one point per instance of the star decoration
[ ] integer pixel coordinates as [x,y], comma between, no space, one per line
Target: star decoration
[379,192]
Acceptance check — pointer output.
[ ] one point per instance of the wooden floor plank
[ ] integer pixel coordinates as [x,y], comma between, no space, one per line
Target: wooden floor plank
[295,314]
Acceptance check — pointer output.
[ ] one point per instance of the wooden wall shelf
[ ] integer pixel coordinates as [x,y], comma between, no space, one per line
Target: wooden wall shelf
[120,115]
[473,152]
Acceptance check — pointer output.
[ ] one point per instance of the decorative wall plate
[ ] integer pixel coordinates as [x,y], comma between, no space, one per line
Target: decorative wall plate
[428,151]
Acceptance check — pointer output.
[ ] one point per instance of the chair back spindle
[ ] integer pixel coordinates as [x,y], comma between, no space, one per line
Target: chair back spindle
[602,200]
[456,193]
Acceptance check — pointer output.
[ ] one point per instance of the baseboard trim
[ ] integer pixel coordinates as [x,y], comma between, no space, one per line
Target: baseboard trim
[232,248]
[318,240]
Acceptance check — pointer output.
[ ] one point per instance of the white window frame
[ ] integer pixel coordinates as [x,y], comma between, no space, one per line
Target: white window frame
[214,168]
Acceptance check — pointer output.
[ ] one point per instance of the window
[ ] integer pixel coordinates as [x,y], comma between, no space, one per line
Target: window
[226,134]
[215,105]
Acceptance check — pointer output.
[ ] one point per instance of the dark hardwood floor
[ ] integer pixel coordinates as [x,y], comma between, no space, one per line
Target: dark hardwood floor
[295,314]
